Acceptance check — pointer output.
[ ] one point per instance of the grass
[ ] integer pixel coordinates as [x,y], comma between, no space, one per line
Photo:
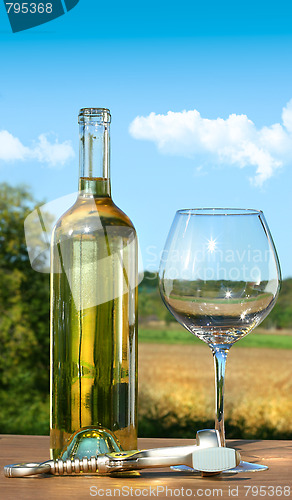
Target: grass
[176,391]
[176,384]
[166,335]
[176,388]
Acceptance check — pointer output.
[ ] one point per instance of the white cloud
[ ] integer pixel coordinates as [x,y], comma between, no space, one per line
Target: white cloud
[11,147]
[53,153]
[235,140]
[43,150]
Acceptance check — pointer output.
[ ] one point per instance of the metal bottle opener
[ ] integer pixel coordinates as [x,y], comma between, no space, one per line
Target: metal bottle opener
[206,456]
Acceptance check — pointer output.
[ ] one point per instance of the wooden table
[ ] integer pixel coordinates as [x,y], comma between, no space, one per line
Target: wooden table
[160,483]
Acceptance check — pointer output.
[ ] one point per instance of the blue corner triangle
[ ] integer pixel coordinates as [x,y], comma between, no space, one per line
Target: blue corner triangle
[70,4]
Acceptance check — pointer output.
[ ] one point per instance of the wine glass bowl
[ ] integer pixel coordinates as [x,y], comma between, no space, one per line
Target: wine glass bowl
[219,276]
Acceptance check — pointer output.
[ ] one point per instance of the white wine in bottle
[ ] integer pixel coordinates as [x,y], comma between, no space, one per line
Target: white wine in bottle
[93,305]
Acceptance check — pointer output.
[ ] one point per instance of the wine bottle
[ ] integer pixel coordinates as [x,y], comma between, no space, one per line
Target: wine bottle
[93,303]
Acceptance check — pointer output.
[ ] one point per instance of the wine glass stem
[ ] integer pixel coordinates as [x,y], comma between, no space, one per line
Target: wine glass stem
[220,355]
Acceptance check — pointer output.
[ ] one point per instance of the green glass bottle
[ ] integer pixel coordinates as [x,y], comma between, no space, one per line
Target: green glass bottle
[93,303]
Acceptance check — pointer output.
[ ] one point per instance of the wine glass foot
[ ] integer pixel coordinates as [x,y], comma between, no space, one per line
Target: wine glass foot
[242,467]
[247,467]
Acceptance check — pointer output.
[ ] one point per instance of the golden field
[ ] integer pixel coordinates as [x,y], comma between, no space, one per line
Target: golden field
[176,391]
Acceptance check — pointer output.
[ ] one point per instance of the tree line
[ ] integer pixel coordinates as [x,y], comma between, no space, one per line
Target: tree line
[24,319]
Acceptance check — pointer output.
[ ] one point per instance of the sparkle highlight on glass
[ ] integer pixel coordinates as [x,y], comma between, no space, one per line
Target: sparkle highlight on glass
[212,245]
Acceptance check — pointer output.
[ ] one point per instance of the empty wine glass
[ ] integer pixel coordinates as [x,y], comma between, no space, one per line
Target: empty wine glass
[220,277]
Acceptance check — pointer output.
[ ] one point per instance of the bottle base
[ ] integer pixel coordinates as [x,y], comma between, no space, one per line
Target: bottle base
[90,441]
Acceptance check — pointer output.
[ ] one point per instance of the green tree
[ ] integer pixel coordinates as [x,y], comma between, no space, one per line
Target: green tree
[281,315]
[24,322]
[151,306]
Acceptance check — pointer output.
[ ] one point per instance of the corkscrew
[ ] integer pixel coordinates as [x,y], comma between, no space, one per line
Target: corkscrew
[206,456]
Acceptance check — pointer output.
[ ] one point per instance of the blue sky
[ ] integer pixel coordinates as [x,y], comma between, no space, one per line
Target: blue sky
[217,59]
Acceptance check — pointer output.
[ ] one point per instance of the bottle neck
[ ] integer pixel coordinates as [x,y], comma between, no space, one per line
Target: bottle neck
[94,150]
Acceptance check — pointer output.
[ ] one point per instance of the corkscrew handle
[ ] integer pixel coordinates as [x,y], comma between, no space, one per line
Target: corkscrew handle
[202,459]
[60,467]
[27,469]
[206,455]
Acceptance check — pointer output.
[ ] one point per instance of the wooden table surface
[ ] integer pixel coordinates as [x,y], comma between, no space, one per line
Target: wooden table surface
[276,482]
